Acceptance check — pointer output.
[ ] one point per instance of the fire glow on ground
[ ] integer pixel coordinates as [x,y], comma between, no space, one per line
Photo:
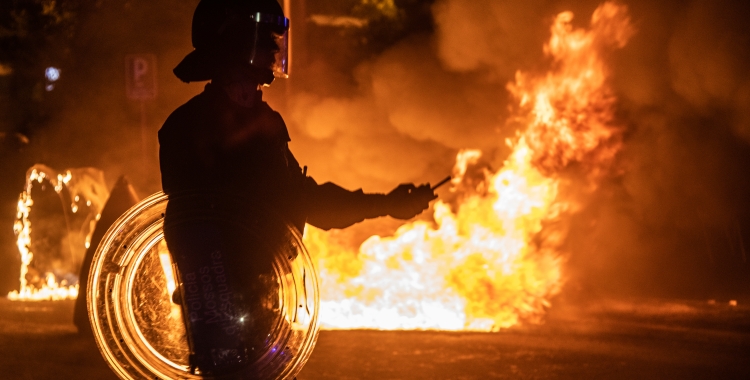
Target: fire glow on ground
[645,339]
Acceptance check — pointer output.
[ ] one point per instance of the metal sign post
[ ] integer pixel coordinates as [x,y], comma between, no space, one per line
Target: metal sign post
[140,84]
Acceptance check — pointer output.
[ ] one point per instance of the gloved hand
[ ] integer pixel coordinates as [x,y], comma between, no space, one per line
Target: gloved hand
[406,200]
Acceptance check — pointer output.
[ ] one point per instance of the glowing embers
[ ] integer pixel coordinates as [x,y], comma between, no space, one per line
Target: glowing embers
[65,208]
[492,257]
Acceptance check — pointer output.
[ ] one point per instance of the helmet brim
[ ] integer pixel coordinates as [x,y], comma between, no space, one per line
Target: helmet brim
[197,66]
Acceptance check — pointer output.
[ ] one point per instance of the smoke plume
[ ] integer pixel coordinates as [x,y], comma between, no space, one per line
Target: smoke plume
[672,218]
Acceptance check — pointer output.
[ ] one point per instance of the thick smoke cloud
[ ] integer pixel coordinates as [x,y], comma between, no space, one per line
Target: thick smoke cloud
[440,92]
[497,37]
[675,221]
[672,218]
[407,121]
[709,55]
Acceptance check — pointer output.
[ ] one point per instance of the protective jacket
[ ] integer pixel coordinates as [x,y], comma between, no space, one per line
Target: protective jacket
[211,144]
[231,179]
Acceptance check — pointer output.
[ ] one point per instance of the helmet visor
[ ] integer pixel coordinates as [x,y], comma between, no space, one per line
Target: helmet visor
[270,48]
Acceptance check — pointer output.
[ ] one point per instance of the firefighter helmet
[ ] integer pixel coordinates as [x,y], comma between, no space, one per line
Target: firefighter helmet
[250,33]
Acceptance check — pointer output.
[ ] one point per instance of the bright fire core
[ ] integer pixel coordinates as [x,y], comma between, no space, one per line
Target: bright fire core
[493,259]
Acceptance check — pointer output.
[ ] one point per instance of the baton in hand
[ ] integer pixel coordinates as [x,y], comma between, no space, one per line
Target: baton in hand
[441,183]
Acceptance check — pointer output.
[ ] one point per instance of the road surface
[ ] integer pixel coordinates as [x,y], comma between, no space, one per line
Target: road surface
[652,339]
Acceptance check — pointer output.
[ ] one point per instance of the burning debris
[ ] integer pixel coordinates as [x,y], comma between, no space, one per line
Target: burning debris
[492,258]
[51,256]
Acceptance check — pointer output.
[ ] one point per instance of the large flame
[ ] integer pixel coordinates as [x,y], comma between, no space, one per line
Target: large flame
[493,260]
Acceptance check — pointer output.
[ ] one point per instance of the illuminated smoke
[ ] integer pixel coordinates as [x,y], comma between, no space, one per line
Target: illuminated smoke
[492,259]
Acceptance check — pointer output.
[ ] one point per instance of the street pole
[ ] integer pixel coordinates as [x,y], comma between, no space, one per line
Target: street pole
[144,135]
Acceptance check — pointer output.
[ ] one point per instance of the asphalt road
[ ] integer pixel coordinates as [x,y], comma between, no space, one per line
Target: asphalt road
[654,339]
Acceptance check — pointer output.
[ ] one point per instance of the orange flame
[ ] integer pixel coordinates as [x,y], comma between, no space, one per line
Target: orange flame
[86,190]
[485,263]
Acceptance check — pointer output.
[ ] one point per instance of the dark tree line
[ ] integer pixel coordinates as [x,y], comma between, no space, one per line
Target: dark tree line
[34,34]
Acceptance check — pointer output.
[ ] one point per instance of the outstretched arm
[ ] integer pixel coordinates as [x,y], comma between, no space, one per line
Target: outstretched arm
[331,206]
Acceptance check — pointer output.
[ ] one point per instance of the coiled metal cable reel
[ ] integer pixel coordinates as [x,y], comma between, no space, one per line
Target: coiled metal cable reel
[223,315]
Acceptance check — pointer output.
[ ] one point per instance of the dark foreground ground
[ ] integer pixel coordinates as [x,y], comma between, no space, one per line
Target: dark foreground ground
[652,339]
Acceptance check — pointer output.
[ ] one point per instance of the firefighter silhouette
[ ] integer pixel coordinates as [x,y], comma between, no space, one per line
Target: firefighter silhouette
[236,192]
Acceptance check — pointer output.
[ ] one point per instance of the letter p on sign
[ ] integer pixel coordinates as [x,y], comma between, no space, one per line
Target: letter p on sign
[140,76]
